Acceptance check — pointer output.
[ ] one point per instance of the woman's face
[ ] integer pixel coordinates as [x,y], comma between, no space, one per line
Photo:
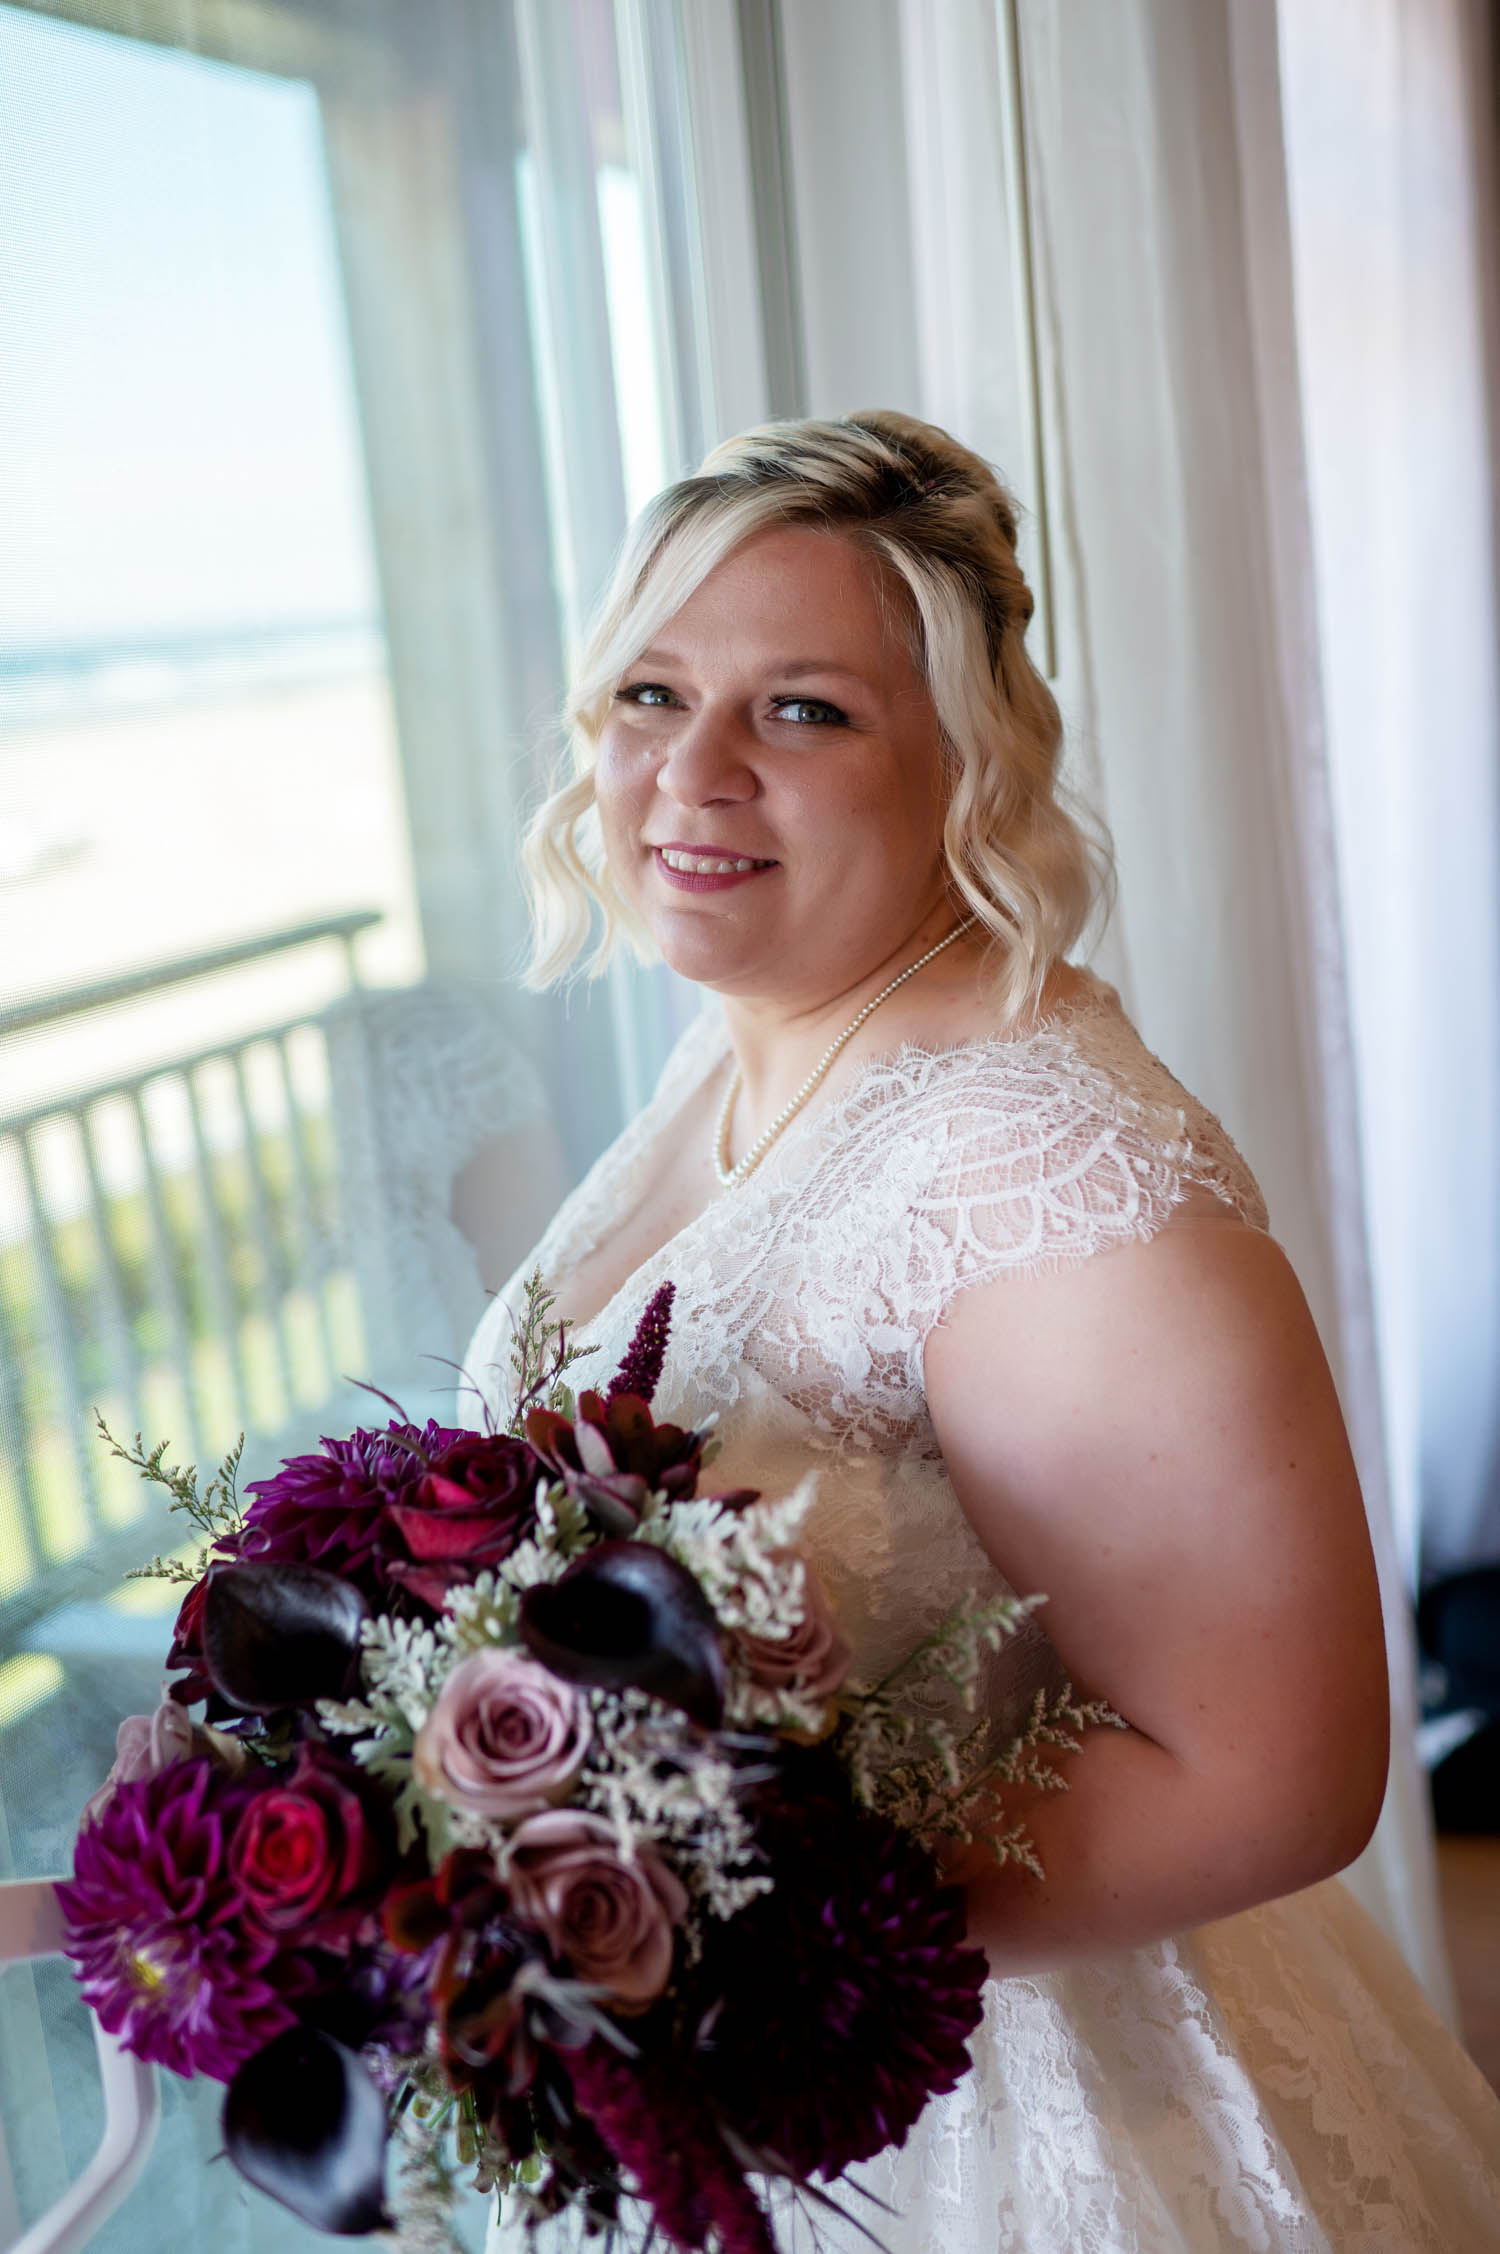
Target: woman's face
[770,776]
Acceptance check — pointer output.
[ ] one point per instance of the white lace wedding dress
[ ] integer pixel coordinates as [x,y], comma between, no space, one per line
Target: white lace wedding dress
[1273,2084]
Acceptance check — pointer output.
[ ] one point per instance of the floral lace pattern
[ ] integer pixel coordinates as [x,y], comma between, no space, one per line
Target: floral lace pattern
[1275,2084]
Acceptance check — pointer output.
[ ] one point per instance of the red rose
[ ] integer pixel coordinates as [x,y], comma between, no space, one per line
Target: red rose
[307,1851]
[187,1639]
[476,1501]
[187,1635]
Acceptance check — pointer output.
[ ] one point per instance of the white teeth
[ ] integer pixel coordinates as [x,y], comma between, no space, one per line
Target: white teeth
[701,865]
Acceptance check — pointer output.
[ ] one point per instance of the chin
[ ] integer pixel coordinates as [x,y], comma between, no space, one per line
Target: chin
[723,973]
[702,949]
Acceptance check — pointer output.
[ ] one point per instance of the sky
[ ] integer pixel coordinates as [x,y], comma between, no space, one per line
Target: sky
[178,431]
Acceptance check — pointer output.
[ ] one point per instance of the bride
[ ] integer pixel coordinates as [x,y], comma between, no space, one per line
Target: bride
[942,1228]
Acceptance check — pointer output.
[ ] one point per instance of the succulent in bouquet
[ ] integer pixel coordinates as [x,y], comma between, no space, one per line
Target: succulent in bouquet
[512,1809]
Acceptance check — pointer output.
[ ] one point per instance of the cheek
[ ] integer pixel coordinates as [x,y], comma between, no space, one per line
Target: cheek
[622,785]
[878,814]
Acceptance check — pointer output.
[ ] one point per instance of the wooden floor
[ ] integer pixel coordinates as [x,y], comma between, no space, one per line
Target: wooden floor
[1469,1876]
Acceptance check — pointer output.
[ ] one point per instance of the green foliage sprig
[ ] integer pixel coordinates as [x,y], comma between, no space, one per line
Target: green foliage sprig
[541,1353]
[907,1759]
[217,1514]
[973,1808]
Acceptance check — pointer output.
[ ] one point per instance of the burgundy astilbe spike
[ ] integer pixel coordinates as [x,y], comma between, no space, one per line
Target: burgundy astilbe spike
[647,2139]
[735,2212]
[667,2142]
[640,1372]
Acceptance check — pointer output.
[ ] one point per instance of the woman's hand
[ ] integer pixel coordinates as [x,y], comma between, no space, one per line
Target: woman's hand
[1152,1438]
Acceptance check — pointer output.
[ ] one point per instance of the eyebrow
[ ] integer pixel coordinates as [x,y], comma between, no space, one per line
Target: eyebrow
[793,669]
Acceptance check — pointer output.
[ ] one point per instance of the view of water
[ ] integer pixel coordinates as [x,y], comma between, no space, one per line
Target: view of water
[161,799]
[65,682]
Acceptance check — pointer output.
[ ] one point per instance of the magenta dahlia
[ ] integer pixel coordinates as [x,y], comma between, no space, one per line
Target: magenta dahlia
[330,1509]
[153,1925]
[845,1996]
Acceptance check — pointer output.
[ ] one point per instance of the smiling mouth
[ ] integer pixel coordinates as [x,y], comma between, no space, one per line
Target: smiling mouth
[707,864]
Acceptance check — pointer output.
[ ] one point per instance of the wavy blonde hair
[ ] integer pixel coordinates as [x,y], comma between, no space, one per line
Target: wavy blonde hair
[1021,859]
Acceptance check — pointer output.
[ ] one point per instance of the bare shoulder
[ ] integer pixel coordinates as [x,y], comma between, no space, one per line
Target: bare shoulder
[1198,1336]
[1217,1279]
[955,1002]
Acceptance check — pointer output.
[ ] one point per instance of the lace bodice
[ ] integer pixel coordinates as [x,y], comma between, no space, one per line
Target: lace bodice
[805,1297]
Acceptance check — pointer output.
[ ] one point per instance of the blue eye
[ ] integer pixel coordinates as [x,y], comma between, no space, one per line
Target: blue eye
[810,712]
[651,694]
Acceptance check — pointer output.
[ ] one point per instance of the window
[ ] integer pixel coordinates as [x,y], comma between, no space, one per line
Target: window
[340,343]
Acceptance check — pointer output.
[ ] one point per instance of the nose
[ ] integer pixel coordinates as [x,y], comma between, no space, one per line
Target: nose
[709,761]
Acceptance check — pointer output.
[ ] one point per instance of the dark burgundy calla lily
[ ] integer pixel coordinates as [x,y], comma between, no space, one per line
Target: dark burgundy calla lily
[625,1615]
[304,2122]
[459,1923]
[281,1635]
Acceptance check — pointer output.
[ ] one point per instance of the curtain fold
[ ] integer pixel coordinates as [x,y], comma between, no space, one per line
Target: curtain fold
[1391,176]
[1395,1877]
[1186,595]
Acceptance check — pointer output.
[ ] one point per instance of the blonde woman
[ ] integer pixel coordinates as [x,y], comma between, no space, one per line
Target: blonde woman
[942,1229]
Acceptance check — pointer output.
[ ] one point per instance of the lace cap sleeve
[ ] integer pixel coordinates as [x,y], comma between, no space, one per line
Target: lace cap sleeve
[1020,1157]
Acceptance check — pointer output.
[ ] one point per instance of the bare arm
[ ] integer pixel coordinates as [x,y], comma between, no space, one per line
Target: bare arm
[1152,1438]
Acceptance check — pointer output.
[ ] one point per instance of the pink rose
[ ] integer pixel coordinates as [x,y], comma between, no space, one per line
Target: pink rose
[609,1919]
[505,1738]
[145,1744]
[812,1661]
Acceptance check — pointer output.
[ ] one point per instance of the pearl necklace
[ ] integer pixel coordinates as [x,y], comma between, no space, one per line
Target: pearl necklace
[730,1177]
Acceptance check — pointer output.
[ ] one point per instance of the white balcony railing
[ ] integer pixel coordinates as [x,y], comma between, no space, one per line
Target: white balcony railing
[174,1252]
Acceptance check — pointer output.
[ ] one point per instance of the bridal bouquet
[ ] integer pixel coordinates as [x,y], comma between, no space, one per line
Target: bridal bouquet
[533,1826]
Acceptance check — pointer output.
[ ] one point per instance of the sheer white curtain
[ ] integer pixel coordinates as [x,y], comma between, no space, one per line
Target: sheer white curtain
[1389,128]
[1104,263]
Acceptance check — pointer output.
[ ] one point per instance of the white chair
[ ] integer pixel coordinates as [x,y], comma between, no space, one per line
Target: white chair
[449,1167]
[31,1926]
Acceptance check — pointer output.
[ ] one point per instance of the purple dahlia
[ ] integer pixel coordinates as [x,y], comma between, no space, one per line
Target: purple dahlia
[842,2000]
[331,1509]
[372,2000]
[154,1927]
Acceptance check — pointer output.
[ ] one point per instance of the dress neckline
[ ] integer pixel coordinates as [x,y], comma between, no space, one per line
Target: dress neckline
[1094,997]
